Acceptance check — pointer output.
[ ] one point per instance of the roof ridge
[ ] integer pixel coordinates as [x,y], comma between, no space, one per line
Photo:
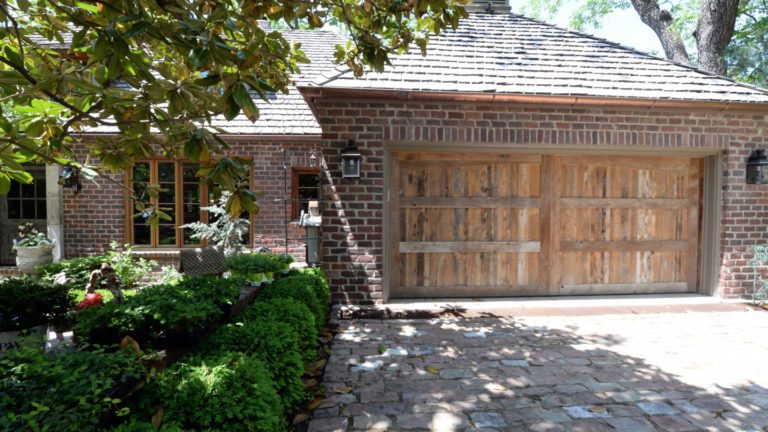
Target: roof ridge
[340,71]
[640,52]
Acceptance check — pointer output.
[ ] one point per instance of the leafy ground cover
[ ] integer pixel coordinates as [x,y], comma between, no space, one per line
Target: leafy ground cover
[234,372]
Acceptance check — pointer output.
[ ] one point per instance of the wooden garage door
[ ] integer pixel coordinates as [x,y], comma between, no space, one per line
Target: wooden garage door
[487,224]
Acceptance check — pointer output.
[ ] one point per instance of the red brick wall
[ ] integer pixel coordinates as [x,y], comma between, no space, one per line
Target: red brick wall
[353,231]
[95,217]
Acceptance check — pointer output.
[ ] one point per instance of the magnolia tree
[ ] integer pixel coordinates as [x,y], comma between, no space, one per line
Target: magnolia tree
[155,72]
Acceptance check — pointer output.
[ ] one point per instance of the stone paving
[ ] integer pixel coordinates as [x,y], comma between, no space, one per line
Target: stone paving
[671,372]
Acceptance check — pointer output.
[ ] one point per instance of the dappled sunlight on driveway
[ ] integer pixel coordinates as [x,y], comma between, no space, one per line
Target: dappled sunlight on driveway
[619,372]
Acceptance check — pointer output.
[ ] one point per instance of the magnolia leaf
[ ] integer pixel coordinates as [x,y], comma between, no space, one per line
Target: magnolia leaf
[432,370]
[343,389]
[5,183]
[199,57]
[382,349]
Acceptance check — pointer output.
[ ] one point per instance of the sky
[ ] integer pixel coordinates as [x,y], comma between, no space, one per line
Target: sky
[623,27]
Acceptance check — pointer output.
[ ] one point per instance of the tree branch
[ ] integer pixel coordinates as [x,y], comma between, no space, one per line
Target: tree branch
[660,22]
[714,30]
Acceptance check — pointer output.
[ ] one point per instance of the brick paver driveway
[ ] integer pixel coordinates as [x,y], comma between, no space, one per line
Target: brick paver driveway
[674,371]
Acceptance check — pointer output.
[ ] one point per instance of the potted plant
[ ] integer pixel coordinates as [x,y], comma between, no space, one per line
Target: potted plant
[33,249]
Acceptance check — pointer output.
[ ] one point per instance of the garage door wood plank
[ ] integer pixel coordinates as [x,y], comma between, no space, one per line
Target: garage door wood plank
[629,203]
[676,165]
[469,247]
[622,246]
[471,202]
[694,188]
[624,288]
[469,291]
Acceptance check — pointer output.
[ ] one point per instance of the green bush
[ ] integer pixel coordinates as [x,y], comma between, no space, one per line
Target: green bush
[246,264]
[228,392]
[25,302]
[144,426]
[292,313]
[63,391]
[160,311]
[274,342]
[297,288]
[129,269]
[78,270]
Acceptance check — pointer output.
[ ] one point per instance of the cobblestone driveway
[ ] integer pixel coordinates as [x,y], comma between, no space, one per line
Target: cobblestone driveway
[675,371]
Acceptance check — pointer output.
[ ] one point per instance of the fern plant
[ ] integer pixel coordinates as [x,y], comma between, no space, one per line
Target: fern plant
[224,230]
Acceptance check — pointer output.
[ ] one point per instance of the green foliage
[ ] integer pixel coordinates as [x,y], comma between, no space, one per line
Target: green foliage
[224,230]
[292,313]
[297,288]
[63,391]
[129,269]
[145,426]
[26,302]
[78,270]
[193,304]
[747,54]
[157,72]
[255,263]
[224,392]
[276,343]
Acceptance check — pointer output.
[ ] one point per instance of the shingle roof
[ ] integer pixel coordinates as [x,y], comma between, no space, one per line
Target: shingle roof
[511,54]
[282,114]
[289,114]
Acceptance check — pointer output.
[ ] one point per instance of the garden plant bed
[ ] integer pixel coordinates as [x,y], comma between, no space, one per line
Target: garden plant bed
[194,353]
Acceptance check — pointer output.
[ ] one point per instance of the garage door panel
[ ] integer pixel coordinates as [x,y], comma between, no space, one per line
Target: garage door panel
[481,224]
[600,267]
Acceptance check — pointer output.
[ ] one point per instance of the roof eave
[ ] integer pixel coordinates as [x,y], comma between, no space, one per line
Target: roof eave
[312,93]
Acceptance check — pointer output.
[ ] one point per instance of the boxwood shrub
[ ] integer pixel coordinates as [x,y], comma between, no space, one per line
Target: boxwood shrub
[160,315]
[297,288]
[221,392]
[274,342]
[63,391]
[292,313]
[26,302]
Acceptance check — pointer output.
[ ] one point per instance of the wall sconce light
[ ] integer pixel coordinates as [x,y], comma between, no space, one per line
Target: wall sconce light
[313,159]
[351,160]
[70,178]
[756,167]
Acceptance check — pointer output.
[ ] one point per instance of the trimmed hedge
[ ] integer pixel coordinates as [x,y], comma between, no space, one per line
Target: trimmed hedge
[160,314]
[292,313]
[300,289]
[225,392]
[26,302]
[274,342]
[247,374]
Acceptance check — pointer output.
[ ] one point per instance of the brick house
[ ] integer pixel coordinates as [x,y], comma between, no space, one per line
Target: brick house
[516,158]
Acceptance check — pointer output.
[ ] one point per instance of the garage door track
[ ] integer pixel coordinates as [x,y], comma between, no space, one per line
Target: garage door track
[671,371]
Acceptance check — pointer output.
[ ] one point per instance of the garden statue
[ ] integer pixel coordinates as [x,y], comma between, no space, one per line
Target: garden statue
[111,281]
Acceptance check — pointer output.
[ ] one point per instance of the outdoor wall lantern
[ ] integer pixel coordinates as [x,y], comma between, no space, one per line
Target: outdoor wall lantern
[756,167]
[351,160]
[70,178]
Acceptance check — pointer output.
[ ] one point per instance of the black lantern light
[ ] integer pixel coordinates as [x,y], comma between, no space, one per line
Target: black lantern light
[350,161]
[70,178]
[756,166]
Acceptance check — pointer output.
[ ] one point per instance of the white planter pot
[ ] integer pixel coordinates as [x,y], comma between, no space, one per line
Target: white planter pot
[28,258]
[10,340]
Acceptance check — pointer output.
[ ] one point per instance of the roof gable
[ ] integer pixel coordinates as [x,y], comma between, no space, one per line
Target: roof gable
[511,54]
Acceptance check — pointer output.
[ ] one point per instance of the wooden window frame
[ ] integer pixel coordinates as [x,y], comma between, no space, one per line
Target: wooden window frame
[178,205]
[295,173]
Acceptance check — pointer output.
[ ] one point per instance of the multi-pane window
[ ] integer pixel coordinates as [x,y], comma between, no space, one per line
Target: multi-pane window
[305,187]
[27,201]
[181,196]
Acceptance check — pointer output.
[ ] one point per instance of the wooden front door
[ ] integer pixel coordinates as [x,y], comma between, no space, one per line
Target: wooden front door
[24,203]
[496,224]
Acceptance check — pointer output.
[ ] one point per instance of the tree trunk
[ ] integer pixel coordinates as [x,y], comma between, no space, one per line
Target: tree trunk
[660,22]
[714,31]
